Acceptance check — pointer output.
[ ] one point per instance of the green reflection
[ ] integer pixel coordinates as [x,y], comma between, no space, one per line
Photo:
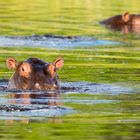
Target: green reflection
[59,16]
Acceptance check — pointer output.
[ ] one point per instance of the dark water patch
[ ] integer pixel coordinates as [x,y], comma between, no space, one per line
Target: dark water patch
[16,110]
[59,42]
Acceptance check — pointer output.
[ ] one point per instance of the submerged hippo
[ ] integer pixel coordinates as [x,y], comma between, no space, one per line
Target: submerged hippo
[125,22]
[34,74]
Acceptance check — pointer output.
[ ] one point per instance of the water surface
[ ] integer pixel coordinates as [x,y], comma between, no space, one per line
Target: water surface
[111,112]
[58,42]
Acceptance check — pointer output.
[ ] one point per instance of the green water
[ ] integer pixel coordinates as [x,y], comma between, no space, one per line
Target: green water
[119,65]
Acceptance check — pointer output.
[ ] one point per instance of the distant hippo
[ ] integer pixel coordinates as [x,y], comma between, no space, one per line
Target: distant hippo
[125,22]
[34,74]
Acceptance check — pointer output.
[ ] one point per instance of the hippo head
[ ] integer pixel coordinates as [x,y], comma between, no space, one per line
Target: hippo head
[34,74]
[125,23]
[118,20]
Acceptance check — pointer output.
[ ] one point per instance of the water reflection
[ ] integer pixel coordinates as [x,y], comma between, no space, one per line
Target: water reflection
[45,98]
[125,28]
[26,106]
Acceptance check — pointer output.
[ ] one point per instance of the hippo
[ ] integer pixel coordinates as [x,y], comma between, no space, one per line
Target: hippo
[34,74]
[125,23]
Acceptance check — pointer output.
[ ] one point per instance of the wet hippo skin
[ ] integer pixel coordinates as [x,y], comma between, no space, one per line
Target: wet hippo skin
[34,74]
[125,22]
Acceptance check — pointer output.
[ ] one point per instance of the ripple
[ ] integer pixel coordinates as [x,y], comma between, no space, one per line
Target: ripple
[59,42]
[17,104]
[33,110]
[93,88]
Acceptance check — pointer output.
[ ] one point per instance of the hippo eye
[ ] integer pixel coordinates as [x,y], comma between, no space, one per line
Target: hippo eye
[25,70]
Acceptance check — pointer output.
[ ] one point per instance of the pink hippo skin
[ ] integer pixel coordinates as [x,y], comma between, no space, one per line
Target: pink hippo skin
[34,74]
[125,23]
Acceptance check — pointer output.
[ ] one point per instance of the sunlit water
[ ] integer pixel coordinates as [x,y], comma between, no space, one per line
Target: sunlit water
[86,110]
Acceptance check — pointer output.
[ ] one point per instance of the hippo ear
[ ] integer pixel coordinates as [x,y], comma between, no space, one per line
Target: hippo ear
[126,17]
[58,63]
[51,69]
[11,63]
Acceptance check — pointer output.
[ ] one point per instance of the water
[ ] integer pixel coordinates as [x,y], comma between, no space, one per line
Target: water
[35,104]
[58,42]
[101,95]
